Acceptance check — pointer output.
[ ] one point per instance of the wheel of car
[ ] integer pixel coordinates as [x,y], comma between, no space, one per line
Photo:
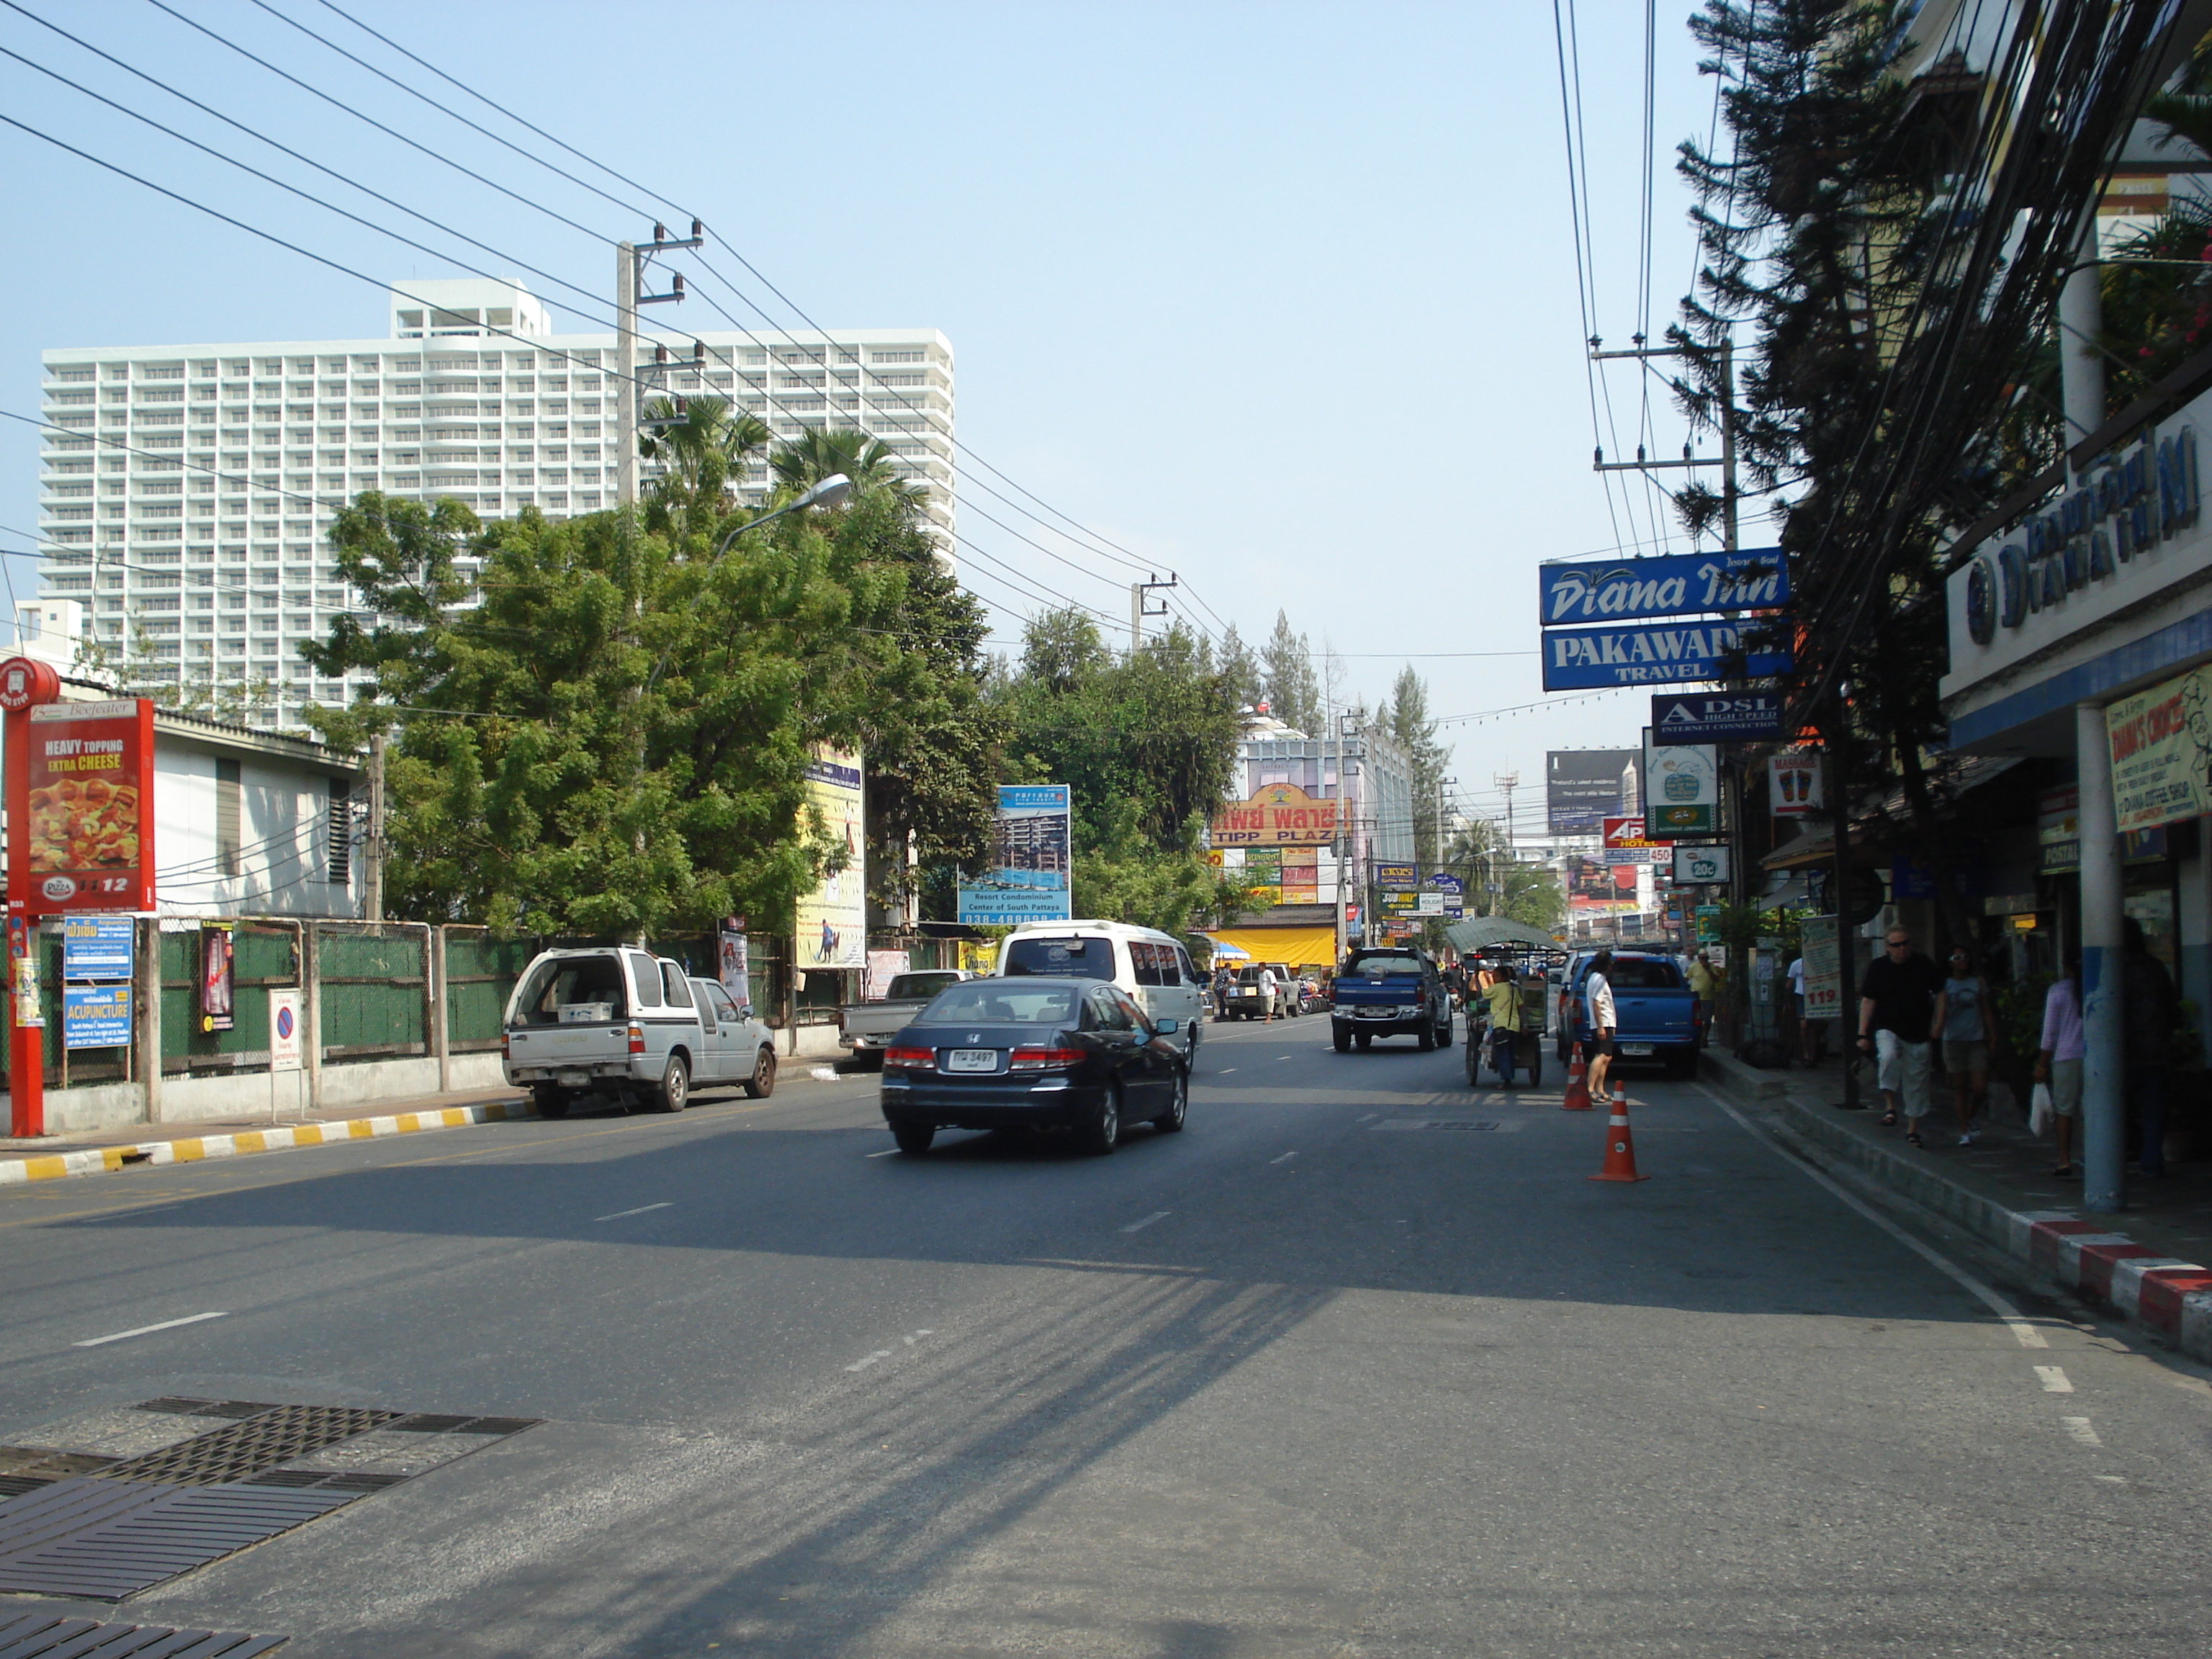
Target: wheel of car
[1364,1039]
[1103,1132]
[1473,1066]
[550,1100]
[1425,1038]
[761,1084]
[1190,1052]
[675,1090]
[1170,1121]
[1536,1067]
[913,1138]
[1342,1039]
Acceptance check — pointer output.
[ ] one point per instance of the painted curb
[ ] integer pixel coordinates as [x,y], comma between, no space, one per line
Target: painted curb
[2166,1295]
[146,1154]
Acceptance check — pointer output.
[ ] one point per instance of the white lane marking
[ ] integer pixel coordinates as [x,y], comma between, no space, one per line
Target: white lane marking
[863,1364]
[1225,1071]
[824,1074]
[2079,1428]
[640,1210]
[1138,1226]
[2116,1479]
[1369,1118]
[147,1330]
[916,1337]
[888,1151]
[2054,1379]
[2023,1332]
[1284,1159]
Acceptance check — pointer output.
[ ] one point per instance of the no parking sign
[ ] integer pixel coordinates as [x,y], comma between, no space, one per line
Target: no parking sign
[284,1029]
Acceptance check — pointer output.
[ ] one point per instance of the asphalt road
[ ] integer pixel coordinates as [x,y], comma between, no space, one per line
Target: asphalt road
[1313,1378]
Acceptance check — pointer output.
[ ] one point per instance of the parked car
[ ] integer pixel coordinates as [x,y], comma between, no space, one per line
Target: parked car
[1248,997]
[618,1021]
[864,1027]
[1030,1051]
[1659,1016]
[1153,967]
[1390,990]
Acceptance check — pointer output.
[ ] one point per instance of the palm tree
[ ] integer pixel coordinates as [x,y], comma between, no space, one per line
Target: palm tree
[702,452]
[818,453]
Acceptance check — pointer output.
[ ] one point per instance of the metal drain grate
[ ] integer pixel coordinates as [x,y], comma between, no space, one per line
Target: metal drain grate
[277,1435]
[431,1422]
[44,1464]
[183,1405]
[329,1480]
[120,1538]
[48,1636]
[15,1485]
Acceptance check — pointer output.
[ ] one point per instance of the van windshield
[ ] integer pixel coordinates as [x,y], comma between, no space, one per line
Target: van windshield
[1061,958]
[589,987]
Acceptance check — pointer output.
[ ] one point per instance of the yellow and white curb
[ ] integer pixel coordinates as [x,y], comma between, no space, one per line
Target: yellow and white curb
[107,1160]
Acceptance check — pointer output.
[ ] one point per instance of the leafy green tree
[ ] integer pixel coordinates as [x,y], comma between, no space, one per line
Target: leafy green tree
[1240,672]
[703,453]
[819,452]
[1286,669]
[1405,717]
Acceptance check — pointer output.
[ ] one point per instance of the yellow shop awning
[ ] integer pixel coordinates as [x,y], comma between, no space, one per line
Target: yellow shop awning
[1300,947]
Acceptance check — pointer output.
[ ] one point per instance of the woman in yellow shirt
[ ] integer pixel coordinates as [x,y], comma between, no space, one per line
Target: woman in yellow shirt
[1504,999]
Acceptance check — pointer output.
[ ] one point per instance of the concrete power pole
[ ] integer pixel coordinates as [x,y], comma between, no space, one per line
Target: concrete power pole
[629,269]
[372,840]
[1138,592]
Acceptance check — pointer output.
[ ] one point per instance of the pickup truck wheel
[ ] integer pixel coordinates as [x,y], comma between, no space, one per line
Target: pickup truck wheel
[761,1084]
[1342,1039]
[550,1101]
[675,1090]
[1425,1038]
[913,1138]
[1103,1132]
[1364,1039]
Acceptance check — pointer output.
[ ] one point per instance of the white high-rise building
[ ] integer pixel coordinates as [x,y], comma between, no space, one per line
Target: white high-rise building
[188,490]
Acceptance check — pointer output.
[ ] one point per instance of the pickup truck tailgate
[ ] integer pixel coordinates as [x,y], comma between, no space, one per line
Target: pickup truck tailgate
[1654,1016]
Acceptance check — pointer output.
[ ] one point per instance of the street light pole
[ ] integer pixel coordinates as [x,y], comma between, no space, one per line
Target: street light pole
[829,493]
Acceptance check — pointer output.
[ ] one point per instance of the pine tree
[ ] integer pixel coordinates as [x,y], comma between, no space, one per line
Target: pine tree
[1286,669]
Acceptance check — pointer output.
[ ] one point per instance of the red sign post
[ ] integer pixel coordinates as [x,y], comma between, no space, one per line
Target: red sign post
[80,794]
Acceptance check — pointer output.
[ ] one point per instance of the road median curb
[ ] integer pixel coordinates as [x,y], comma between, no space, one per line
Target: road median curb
[244,1143]
[2169,1297]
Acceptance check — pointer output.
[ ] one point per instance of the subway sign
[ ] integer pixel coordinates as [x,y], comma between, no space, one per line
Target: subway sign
[2123,509]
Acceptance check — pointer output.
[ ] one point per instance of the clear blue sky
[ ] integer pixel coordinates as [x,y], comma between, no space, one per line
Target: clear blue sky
[1279,296]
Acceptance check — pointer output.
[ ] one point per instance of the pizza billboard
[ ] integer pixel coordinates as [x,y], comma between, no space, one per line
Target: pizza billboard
[84,793]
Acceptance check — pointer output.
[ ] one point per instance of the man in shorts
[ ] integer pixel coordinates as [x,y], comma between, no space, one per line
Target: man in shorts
[1897,1003]
[1598,1010]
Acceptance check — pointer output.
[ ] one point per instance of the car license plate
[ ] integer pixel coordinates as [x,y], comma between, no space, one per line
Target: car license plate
[573,1079]
[972,1060]
[1635,1048]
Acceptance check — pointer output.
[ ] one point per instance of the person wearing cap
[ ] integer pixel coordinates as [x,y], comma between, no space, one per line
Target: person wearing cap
[1897,1002]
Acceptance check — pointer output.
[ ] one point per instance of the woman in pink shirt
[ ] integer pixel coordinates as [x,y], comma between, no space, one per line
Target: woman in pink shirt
[2058,1062]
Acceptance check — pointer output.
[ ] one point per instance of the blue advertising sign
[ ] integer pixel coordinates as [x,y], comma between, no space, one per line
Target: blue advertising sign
[97,947]
[1652,654]
[95,1016]
[1715,717]
[1031,855]
[1674,584]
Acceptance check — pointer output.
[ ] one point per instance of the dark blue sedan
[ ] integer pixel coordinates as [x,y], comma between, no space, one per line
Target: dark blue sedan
[1030,1053]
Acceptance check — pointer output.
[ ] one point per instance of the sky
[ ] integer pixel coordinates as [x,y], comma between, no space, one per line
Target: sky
[1281,299]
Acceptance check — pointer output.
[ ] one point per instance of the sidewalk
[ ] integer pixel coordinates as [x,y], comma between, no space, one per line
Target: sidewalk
[2142,1264]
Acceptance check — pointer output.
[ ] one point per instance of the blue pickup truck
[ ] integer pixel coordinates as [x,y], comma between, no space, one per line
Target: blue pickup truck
[1659,1014]
[1390,990]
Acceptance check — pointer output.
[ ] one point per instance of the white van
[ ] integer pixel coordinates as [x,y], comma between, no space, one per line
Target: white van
[1151,966]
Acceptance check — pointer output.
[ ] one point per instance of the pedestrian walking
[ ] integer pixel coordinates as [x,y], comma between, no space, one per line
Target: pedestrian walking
[1271,993]
[1598,1010]
[1796,975]
[1503,998]
[1705,986]
[2148,1010]
[2058,1056]
[1962,1026]
[1222,979]
[1896,1004]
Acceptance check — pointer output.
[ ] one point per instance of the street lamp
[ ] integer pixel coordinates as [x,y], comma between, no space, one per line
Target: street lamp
[829,493]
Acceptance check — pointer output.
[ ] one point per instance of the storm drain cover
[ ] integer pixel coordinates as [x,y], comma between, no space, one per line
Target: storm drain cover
[77,1523]
[44,1636]
[1464,1125]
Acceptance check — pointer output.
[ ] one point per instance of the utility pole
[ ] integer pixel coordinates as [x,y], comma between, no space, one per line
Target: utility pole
[1508,782]
[372,840]
[630,259]
[1138,592]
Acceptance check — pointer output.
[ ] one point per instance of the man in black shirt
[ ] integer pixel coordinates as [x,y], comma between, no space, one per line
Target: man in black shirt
[1897,1000]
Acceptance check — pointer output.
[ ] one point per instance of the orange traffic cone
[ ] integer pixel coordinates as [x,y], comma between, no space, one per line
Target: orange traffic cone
[1578,1095]
[1619,1150]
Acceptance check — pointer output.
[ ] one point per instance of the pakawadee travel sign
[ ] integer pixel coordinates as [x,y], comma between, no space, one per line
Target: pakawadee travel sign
[1586,659]
[1675,585]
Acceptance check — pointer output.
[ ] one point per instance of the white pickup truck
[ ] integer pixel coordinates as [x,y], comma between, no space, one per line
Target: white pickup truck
[617,1020]
[865,1027]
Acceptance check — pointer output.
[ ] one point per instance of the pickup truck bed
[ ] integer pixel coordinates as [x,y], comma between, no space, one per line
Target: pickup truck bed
[1658,1012]
[867,1027]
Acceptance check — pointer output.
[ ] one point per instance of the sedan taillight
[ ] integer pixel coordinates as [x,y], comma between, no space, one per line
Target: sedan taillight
[637,1039]
[1042,1060]
[910,1060]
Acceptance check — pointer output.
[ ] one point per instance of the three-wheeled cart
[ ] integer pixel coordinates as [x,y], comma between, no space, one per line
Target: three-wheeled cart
[1528,1048]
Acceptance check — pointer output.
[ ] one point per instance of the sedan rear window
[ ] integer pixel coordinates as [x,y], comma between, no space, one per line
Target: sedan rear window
[1061,958]
[989,1003]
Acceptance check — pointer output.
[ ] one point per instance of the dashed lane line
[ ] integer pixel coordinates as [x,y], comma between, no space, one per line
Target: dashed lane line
[1284,1159]
[888,1151]
[147,1330]
[2054,1379]
[2079,1429]
[640,1210]
[1138,1226]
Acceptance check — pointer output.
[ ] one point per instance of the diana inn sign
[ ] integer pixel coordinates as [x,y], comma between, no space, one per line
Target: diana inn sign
[1596,631]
